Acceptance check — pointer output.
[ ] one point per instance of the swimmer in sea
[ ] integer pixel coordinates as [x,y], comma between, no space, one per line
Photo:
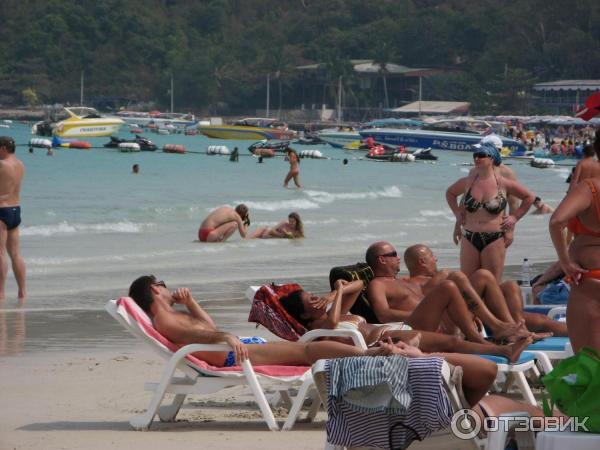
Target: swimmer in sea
[290,229]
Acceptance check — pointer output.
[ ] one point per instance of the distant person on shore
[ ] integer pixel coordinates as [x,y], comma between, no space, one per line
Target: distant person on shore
[11,176]
[135,169]
[294,172]
[481,215]
[541,208]
[222,223]
[588,167]
[290,229]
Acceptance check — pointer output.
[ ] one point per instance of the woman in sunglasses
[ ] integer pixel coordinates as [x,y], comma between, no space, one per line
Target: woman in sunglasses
[481,215]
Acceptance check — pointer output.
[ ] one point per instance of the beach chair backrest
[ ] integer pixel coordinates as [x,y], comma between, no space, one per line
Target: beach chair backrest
[268,311]
[358,271]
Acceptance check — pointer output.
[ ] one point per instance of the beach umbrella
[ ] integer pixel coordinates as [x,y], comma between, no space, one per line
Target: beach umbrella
[591,107]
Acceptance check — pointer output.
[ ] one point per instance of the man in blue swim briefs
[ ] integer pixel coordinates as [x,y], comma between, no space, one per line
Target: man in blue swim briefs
[195,326]
[11,176]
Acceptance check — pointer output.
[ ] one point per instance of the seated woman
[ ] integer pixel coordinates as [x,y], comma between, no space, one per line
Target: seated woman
[311,312]
[292,229]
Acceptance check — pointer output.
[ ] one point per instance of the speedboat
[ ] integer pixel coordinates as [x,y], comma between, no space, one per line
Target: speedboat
[146,145]
[451,134]
[158,118]
[79,121]
[339,137]
[251,128]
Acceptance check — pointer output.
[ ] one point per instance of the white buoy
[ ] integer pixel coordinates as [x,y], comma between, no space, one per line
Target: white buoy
[217,150]
[542,163]
[129,147]
[403,157]
[40,142]
[316,154]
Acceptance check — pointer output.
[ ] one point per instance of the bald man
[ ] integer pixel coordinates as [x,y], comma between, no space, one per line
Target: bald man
[504,300]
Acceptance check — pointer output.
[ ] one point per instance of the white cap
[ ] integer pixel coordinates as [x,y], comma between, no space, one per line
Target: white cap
[492,139]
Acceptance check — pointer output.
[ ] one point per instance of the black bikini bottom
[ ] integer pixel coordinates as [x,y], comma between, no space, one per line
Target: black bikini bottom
[481,239]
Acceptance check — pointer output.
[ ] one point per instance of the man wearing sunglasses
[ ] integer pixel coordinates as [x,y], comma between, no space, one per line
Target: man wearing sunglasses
[442,308]
[195,326]
[11,176]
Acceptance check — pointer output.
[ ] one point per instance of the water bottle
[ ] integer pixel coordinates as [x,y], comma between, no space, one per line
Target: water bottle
[525,273]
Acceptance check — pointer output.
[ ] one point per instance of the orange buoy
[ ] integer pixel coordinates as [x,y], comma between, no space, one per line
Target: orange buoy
[80,144]
[174,148]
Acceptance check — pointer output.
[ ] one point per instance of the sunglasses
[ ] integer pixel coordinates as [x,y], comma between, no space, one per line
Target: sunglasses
[159,283]
[480,155]
[393,254]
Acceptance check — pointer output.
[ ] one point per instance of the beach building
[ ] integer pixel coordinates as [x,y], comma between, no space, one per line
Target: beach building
[563,96]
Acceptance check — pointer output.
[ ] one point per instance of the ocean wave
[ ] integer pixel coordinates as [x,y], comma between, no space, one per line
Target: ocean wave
[289,205]
[329,197]
[73,228]
[437,213]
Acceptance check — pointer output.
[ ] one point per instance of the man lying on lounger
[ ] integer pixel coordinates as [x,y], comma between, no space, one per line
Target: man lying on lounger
[504,300]
[195,326]
[442,308]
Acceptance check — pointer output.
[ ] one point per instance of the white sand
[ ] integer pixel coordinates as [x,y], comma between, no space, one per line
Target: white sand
[75,401]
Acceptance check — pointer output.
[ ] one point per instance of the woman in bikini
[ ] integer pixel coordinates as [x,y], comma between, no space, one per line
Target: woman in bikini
[310,311]
[579,212]
[290,229]
[481,217]
[294,172]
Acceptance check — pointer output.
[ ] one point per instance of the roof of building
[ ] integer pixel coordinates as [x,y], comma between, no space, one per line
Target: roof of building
[568,85]
[367,66]
[429,107]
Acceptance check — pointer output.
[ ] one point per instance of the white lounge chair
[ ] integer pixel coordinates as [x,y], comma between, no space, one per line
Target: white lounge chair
[201,378]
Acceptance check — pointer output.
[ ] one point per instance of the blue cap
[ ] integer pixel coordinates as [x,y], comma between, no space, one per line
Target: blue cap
[489,150]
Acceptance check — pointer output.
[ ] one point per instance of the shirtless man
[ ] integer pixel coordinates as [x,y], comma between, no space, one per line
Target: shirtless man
[222,223]
[588,167]
[11,176]
[541,208]
[504,300]
[397,300]
[195,326]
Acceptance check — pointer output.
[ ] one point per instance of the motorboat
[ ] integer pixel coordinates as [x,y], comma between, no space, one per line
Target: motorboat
[450,134]
[251,128]
[339,137]
[145,144]
[157,118]
[78,121]
[268,148]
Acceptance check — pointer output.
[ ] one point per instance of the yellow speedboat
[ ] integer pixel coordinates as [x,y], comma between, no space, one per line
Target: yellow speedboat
[251,128]
[80,121]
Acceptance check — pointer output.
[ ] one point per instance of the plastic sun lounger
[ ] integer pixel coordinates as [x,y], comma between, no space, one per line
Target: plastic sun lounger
[200,377]
[495,440]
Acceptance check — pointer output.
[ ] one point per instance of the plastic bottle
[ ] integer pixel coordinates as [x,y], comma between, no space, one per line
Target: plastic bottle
[526,273]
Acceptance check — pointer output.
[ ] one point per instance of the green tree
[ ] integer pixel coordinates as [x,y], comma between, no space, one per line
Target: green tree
[30,97]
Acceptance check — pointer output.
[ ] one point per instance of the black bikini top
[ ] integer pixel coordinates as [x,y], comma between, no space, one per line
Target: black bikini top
[494,205]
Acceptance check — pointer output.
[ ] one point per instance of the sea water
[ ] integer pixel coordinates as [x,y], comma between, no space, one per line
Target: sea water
[90,226]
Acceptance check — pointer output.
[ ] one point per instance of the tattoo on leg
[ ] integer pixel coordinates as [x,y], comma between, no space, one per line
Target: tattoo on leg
[471,304]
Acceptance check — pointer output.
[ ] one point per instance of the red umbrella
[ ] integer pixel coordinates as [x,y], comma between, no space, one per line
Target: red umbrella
[591,107]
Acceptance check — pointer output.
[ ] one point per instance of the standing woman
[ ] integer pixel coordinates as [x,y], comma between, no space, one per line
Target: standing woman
[294,172]
[481,222]
[580,213]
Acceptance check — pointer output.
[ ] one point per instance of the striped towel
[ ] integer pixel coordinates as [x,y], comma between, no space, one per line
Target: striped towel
[429,410]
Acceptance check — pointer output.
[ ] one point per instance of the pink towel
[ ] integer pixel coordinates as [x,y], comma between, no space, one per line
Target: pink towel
[128,307]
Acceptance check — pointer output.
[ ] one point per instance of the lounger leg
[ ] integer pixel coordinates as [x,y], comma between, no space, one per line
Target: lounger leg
[297,406]
[259,395]
[524,387]
[315,406]
[167,413]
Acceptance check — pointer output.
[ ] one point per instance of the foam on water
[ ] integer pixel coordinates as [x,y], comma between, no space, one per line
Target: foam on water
[78,228]
[285,205]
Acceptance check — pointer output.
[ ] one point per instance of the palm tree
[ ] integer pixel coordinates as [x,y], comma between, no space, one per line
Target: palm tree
[382,54]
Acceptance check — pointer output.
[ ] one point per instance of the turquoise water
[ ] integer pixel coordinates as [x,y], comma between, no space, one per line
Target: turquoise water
[90,226]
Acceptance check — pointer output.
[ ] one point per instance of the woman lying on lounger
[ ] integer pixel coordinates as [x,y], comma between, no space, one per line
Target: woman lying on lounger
[311,312]
[291,229]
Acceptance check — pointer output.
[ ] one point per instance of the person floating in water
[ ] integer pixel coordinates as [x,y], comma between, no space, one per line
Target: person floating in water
[135,168]
[235,155]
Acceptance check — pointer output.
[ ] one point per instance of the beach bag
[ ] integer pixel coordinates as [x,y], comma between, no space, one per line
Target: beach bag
[574,388]
[555,293]
[358,271]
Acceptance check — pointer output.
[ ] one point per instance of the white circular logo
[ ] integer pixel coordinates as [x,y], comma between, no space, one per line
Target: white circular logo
[466,424]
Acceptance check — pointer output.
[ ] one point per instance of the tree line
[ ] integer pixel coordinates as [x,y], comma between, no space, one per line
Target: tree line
[220,52]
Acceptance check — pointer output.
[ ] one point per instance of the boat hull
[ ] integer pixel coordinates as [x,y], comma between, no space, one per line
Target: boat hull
[338,139]
[79,129]
[232,132]
[435,140]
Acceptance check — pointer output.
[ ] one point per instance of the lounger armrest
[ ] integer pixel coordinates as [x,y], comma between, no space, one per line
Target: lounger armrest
[557,311]
[356,337]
